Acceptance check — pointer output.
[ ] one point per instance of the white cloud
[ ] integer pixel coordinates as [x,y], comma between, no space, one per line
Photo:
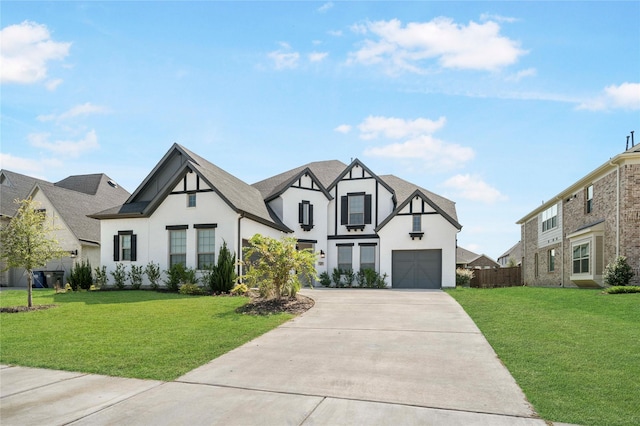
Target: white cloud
[67,148]
[529,72]
[26,50]
[325,7]
[78,110]
[52,85]
[343,128]
[317,56]
[474,188]
[624,96]
[473,46]
[432,153]
[497,18]
[284,58]
[396,128]
[30,166]
[335,33]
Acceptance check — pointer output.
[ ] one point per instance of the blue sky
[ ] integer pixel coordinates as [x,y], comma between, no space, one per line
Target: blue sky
[495,105]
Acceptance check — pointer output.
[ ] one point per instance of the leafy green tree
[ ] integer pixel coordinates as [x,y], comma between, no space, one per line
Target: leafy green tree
[28,241]
[276,266]
[618,272]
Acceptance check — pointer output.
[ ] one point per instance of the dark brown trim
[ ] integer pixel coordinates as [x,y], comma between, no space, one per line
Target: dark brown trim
[176,227]
[205,225]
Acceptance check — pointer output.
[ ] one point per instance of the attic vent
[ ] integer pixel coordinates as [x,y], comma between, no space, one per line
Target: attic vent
[112,183]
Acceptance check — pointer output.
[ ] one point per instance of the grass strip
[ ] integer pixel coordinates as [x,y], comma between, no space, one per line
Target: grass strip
[575,353]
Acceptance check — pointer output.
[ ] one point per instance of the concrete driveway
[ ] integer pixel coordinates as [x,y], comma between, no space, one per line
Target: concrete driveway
[373,357]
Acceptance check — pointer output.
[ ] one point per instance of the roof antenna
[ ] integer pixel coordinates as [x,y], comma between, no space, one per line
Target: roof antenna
[632,143]
[627,144]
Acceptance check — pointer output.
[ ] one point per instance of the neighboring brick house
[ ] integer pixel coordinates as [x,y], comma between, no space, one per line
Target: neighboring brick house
[569,240]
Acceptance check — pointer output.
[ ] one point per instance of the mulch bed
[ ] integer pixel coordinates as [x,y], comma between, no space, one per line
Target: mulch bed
[259,306]
[16,309]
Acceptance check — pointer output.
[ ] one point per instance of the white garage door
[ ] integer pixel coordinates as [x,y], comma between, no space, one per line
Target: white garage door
[416,269]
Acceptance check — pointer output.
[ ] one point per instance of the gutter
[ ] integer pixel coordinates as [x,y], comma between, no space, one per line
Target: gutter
[239,250]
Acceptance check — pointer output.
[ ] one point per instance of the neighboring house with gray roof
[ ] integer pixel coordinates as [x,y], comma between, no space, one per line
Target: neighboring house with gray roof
[68,202]
[469,260]
[186,207]
[513,256]
[569,240]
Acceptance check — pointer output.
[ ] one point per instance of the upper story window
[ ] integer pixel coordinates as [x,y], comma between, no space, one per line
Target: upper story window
[589,199]
[191,200]
[305,215]
[550,218]
[417,223]
[355,210]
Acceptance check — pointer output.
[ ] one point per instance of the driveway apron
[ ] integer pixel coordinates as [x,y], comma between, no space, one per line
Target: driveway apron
[358,357]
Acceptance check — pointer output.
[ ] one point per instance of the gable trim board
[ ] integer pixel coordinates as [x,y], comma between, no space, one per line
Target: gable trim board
[277,205]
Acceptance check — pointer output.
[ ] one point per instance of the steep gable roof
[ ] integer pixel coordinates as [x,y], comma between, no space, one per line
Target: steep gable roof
[322,172]
[73,205]
[178,161]
[405,191]
[358,163]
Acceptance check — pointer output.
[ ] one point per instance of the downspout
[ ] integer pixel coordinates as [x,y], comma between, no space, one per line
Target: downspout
[239,250]
[611,163]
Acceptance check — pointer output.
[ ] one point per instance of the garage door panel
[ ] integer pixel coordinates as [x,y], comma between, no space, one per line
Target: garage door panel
[416,269]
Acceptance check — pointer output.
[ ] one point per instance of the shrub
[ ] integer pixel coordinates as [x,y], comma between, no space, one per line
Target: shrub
[100,276]
[349,277]
[370,278]
[223,274]
[80,276]
[381,280]
[175,277]
[463,276]
[119,276]
[620,289]
[618,272]
[189,276]
[135,276]
[336,277]
[239,290]
[152,270]
[325,279]
[191,289]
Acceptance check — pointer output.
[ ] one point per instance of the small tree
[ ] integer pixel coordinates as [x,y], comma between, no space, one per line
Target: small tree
[222,276]
[80,276]
[100,276]
[28,241]
[618,272]
[276,266]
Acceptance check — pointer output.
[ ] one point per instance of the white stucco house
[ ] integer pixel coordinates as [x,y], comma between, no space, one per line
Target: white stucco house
[186,207]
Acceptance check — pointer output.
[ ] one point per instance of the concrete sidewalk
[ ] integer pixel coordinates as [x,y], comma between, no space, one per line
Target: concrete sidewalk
[373,357]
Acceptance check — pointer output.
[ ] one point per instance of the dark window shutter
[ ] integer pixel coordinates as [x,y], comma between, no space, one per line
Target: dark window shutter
[344,210]
[134,247]
[300,213]
[311,214]
[116,248]
[367,209]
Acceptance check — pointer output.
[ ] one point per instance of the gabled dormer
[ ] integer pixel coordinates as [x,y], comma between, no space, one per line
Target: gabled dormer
[362,200]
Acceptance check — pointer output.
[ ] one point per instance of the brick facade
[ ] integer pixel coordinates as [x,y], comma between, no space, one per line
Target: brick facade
[575,217]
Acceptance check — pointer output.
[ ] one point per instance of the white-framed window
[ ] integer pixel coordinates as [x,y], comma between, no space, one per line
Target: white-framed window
[368,257]
[581,256]
[125,247]
[417,223]
[552,260]
[589,199]
[177,246]
[356,209]
[206,247]
[550,218]
[345,256]
[191,199]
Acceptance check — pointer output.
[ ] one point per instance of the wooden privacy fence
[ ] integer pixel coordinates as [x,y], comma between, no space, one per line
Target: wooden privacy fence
[496,277]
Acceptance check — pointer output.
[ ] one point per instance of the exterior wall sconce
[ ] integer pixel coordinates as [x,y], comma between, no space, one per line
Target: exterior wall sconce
[73,253]
[322,254]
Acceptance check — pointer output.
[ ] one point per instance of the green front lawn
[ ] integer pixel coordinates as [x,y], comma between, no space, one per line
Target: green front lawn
[141,334]
[575,353]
